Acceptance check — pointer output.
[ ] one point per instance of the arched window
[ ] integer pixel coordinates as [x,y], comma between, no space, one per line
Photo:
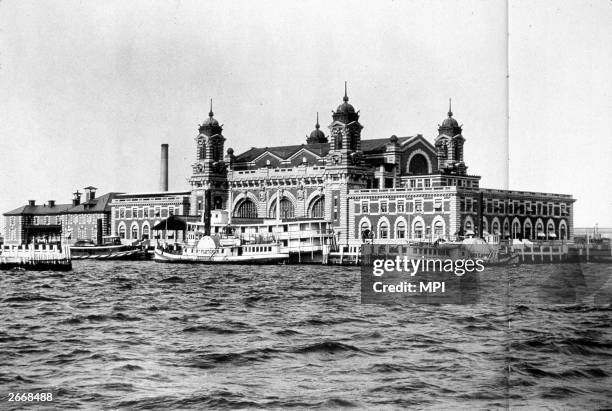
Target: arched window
[550,231]
[364,230]
[286,209]
[418,229]
[400,229]
[418,165]
[485,226]
[438,229]
[317,210]
[121,231]
[562,231]
[495,227]
[145,231]
[246,209]
[134,232]
[528,230]
[540,230]
[201,148]
[468,225]
[383,230]
[516,229]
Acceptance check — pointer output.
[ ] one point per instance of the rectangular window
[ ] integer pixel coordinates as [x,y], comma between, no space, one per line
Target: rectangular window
[134,212]
[145,212]
[116,213]
[47,220]
[383,207]
[468,205]
[400,207]
[335,201]
[427,183]
[502,207]
[365,208]
[157,212]
[36,220]
[171,210]
[527,207]
[128,213]
[489,207]
[412,184]
[164,212]
[438,204]
[418,206]
[550,209]
[462,205]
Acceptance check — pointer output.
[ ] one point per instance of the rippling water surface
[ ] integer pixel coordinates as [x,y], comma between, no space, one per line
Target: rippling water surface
[142,335]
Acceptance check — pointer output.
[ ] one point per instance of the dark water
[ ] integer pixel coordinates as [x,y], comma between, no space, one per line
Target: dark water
[141,335]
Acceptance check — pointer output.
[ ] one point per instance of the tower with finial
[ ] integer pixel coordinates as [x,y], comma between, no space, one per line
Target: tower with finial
[209,177]
[209,143]
[345,128]
[344,165]
[449,145]
[316,136]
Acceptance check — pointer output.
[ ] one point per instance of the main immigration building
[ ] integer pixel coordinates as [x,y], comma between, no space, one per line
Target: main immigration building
[389,189]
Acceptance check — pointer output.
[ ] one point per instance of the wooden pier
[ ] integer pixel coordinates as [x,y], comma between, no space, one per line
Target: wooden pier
[30,257]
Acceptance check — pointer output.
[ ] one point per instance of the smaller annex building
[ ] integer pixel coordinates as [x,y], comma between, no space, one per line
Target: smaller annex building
[52,223]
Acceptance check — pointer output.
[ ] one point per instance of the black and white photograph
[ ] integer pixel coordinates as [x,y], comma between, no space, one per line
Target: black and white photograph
[403,204]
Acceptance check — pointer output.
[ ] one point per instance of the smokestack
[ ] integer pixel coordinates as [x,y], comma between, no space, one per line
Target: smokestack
[32,202]
[163,172]
[51,203]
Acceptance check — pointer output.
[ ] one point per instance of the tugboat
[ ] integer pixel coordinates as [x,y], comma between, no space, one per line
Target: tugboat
[110,249]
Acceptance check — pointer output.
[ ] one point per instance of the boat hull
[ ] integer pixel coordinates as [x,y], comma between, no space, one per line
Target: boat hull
[166,257]
[119,252]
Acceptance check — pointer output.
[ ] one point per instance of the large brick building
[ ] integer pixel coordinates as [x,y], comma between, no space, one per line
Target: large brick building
[388,189]
[51,223]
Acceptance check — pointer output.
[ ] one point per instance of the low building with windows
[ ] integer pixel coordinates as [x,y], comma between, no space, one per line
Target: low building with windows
[52,223]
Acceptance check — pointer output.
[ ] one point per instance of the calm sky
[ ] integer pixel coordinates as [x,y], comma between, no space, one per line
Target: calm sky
[91,89]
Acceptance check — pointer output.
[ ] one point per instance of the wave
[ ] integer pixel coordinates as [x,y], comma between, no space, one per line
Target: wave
[27,298]
[209,328]
[172,280]
[327,347]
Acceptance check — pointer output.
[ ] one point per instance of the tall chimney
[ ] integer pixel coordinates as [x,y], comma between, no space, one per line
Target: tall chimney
[163,172]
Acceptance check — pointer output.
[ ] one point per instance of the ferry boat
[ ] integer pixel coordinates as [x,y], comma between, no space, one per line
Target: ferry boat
[215,249]
[250,241]
[110,249]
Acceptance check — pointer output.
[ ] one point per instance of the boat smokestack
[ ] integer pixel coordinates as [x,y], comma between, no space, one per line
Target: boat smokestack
[163,172]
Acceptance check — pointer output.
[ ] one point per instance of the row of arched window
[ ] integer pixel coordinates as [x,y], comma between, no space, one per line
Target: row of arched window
[135,232]
[418,229]
[518,230]
[248,209]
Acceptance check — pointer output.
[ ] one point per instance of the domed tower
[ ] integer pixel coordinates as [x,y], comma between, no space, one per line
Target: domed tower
[209,178]
[344,166]
[449,145]
[317,136]
[345,129]
[210,140]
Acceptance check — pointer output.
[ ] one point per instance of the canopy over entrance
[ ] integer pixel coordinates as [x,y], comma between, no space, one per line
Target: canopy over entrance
[172,223]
